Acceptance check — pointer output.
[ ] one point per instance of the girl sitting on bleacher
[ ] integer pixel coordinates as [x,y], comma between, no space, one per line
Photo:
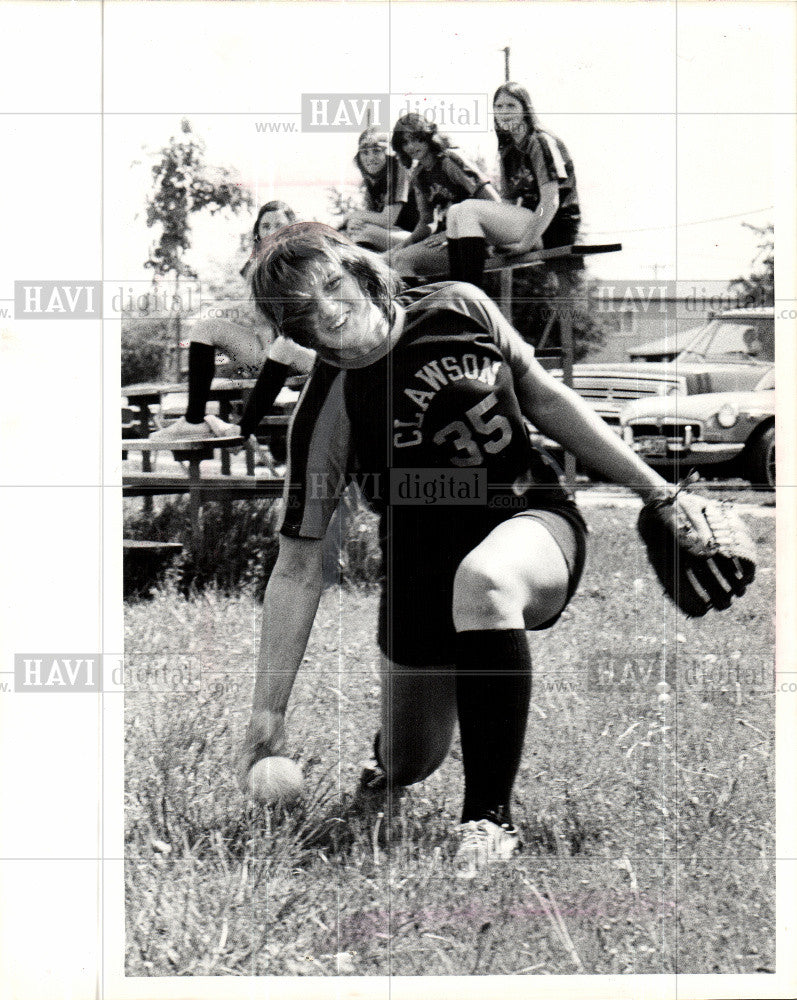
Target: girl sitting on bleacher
[441,178]
[247,342]
[390,212]
[538,185]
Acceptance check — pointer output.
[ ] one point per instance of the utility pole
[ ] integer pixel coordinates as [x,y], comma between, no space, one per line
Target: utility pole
[505,50]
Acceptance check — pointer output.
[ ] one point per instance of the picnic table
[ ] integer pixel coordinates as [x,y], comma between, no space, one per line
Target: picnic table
[225,391]
[200,488]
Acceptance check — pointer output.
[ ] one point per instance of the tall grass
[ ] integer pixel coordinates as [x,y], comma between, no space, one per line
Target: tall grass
[238,545]
[648,823]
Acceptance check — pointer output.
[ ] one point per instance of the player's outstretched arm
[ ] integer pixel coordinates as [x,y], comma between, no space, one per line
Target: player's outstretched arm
[565,417]
[289,609]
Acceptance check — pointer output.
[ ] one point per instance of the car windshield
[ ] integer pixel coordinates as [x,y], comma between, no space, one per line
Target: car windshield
[734,340]
[768,381]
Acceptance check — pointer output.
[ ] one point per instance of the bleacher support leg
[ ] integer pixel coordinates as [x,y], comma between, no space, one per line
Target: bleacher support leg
[566,334]
[506,292]
[194,502]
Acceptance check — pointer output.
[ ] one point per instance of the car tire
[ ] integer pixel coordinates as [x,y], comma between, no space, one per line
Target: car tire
[760,464]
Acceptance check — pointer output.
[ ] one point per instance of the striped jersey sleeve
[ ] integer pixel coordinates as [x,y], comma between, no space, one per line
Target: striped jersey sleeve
[546,159]
[464,174]
[319,456]
[398,191]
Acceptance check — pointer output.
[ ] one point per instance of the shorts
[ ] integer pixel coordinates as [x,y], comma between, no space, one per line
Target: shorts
[562,232]
[416,626]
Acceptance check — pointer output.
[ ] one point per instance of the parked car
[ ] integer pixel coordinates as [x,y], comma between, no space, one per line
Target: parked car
[678,433]
[732,353]
[665,348]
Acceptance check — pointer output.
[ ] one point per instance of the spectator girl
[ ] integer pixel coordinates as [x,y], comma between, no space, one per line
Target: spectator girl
[538,186]
[390,213]
[247,345]
[440,179]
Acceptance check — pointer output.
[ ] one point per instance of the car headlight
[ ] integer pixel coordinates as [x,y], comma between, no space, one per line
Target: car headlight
[727,415]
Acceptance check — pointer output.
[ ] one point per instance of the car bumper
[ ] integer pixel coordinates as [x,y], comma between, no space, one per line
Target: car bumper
[699,452]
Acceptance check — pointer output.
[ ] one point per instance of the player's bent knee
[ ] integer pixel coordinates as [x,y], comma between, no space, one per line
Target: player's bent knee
[485,595]
[203,331]
[418,747]
[454,210]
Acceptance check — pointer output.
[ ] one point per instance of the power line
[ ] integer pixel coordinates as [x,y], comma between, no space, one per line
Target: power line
[681,225]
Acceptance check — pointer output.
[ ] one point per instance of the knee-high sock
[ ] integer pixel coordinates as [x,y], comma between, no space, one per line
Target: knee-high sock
[454,264]
[201,366]
[265,391]
[493,696]
[467,259]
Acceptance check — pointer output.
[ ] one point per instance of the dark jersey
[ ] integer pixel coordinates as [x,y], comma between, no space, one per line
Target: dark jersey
[391,186]
[446,396]
[449,181]
[542,158]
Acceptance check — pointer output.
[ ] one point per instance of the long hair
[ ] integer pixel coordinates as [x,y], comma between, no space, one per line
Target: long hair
[519,93]
[281,273]
[414,126]
[271,206]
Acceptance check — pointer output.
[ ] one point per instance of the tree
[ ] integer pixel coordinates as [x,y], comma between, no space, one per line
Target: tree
[539,294]
[341,204]
[758,288]
[182,184]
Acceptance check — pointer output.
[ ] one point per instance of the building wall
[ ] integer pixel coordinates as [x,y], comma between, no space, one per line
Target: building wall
[632,327]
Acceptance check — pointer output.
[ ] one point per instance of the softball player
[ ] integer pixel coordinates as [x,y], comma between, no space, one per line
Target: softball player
[440,179]
[433,379]
[390,213]
[538,185]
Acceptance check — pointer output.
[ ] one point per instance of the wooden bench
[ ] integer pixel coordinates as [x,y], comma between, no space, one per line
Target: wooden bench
[147,483]
[137,415]
[143,545]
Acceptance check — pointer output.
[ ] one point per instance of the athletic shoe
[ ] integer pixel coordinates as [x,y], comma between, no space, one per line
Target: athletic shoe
[374,793]
[372,787]
[221,428]
[483,843]
[181,430]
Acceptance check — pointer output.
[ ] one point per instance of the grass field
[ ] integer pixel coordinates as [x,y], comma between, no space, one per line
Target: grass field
[648,823]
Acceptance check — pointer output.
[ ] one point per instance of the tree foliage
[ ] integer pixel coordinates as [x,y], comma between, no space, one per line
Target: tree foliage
[182,184]
[341,204]
[540,294]
[758,287]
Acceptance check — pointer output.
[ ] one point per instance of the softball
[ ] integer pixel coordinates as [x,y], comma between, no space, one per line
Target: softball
[275,781]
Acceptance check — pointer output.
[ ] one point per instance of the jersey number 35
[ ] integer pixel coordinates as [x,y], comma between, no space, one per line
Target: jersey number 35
[493,433]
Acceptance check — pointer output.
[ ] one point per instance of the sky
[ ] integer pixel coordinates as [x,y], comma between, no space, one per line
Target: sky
[670,114]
